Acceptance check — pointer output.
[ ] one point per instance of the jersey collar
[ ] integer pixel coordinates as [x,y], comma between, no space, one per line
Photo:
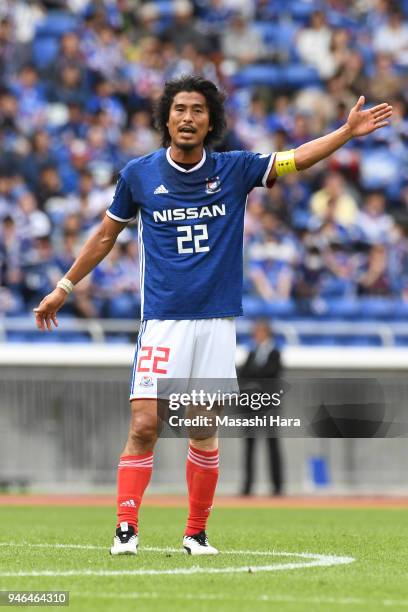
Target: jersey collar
[196,167]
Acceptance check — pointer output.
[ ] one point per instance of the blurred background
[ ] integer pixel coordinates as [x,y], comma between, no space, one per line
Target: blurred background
[326,251]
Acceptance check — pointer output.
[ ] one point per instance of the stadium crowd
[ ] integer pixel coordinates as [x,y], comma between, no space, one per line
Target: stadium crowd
[78,81]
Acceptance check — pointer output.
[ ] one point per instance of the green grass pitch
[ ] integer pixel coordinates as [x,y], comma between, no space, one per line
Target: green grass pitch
[376,580]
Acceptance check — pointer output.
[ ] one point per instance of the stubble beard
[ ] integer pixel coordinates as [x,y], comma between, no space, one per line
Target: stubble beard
[186,146]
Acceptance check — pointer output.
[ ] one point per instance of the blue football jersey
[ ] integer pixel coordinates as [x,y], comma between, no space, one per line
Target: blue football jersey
[190,229]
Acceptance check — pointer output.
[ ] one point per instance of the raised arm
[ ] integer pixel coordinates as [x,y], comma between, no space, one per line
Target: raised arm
[94,251]
[359,123]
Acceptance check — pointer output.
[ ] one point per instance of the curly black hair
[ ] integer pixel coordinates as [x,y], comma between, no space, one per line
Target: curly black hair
[215,102]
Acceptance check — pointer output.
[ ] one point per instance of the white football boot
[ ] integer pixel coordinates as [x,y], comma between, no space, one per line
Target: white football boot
[197,544]
[125,541]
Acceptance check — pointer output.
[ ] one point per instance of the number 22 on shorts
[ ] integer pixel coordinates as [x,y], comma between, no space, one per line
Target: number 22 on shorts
[157,355]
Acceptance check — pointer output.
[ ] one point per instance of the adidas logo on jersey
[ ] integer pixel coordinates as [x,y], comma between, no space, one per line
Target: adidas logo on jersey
[160,189]
[129,502]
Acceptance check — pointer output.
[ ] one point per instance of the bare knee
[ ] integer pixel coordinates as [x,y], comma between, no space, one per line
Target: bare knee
[143,433]
[144,429]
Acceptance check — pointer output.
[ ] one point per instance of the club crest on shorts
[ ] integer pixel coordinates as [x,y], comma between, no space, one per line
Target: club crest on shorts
[146,381]
[213,185]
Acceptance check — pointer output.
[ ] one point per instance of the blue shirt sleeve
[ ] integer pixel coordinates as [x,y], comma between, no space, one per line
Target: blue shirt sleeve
[123,207]
[256,169]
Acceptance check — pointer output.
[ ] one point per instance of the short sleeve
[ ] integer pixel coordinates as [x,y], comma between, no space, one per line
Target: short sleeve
[256,169]
[123,207]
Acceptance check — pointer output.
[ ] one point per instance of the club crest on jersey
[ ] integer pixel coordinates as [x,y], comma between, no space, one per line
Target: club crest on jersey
[146,381]
[213,185]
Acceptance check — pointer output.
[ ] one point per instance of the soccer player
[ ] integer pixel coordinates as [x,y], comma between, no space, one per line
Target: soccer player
[190,205]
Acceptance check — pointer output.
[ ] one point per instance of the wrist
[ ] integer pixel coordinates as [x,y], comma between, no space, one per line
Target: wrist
[348,132]
[66,285]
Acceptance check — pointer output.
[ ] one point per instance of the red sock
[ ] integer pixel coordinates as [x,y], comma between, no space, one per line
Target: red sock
[134,472]
[202,476]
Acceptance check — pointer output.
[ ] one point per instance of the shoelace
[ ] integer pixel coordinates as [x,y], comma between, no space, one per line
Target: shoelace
[201,538]
[125,536]
[126,539]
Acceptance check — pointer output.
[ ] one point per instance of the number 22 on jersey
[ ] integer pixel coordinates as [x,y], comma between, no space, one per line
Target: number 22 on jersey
[191,241]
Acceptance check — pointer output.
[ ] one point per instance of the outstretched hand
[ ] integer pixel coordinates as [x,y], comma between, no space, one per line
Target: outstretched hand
[46,311]
[362,122]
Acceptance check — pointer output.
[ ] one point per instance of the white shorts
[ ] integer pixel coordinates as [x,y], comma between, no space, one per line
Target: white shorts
[197,349]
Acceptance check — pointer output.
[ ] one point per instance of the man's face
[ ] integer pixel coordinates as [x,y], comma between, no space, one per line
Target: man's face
[189,120]
[261,333]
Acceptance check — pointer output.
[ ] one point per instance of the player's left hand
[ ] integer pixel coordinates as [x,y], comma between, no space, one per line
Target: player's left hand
[362,122]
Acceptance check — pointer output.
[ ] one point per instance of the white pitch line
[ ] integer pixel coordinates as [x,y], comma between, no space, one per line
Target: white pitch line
[166,549]
[182,571]
[29,545]
[262,598]
[314,560]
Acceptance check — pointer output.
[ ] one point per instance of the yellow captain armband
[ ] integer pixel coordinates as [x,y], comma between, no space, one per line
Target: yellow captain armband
[285,162]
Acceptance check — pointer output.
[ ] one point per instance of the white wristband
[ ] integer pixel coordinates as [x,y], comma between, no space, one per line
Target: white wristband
[66,285]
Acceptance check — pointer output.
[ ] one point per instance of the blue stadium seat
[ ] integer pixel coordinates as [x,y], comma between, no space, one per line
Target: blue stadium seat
[364,340]
[16,336]
[377,307]
[317,340]
[277,36]
[45,50]
[268,31]
[299,75]
[291,75]
[117,338]
[340,340]
[257,307]
[301,11]
[280,308]
[72,338]
[401,310]
[285,35]
[334,287]
[253,306]
[343,308]
[340,20]
[301,219]
[42,338]
[56,24]
[258,75]
[57,337]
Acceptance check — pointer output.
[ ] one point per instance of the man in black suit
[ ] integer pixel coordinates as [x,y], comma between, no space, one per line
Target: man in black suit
[262,362]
